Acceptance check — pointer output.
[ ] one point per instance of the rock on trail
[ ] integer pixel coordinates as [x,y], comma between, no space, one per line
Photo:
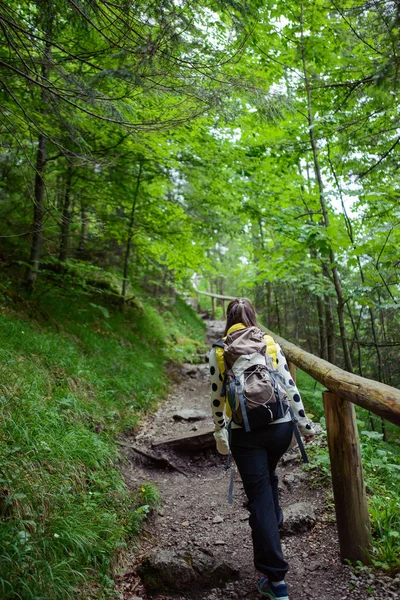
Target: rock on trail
[184,570]
[197,547]
[298,518]
[190,414]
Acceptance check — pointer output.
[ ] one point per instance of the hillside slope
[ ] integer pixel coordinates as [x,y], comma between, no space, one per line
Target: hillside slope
[75,371]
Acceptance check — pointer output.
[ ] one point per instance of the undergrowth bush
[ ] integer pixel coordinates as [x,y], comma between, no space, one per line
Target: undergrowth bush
[382,480]
[74,372]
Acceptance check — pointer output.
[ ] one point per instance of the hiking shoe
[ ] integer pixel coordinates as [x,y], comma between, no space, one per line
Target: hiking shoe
[274,592]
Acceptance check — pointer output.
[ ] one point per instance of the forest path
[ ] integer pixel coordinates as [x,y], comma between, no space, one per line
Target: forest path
[195,514]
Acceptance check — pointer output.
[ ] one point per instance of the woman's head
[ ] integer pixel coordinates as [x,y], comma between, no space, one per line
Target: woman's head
[240,311]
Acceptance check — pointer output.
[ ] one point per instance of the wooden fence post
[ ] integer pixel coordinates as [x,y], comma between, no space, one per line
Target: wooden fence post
[347,478]
[223,309]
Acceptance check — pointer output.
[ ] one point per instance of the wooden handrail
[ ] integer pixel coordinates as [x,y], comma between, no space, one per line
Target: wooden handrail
[217,296]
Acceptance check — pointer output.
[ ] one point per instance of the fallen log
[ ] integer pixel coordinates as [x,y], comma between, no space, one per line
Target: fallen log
[161,461]
[193,442]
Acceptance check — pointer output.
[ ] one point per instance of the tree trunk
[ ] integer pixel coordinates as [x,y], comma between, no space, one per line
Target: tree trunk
[380,365]
[83,235]
[269,303]
[38,209]
[277,313]
[38,214]
[330,330]
[66,217]
[285,304]
[322,333]
[130,234]
[329,322]
[386,365]
[321,329]
[297,320]
[60,194]
[340,311]
[324,208]
[258,247]
[356,340]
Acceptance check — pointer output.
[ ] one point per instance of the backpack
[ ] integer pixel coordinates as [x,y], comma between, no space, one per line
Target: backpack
[251,383]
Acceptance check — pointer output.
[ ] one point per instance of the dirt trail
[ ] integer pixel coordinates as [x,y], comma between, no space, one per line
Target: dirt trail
[195,513]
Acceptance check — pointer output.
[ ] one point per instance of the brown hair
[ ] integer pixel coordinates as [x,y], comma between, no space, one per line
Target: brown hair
[240,310]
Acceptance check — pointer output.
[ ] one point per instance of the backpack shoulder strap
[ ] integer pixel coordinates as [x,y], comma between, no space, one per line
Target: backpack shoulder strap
[271,348]
[219,344]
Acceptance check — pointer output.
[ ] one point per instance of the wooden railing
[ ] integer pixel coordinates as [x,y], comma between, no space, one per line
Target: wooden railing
[343,391]
[214,298]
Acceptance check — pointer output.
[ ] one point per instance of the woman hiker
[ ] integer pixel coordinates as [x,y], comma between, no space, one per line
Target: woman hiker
[257,452]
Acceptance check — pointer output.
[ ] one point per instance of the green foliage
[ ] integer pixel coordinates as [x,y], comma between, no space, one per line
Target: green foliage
[319,465]
[385,520]
[183,333]
[311,393]
[69,383]
[146,499]
[382,478]
[148,494]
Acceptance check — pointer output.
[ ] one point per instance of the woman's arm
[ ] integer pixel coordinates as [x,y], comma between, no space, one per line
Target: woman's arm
[303,423]
[218,405]
[217,402]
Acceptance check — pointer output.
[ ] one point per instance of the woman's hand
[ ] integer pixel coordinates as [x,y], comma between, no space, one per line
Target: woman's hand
[221,438]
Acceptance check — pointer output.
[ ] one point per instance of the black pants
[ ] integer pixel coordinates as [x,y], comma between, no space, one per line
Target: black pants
[256,454]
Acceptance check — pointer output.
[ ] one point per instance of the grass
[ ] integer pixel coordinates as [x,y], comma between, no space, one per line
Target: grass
[146,499]
[381,466]
[74,373]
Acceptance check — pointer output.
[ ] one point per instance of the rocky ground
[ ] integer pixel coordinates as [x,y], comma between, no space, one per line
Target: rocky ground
[197,546]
